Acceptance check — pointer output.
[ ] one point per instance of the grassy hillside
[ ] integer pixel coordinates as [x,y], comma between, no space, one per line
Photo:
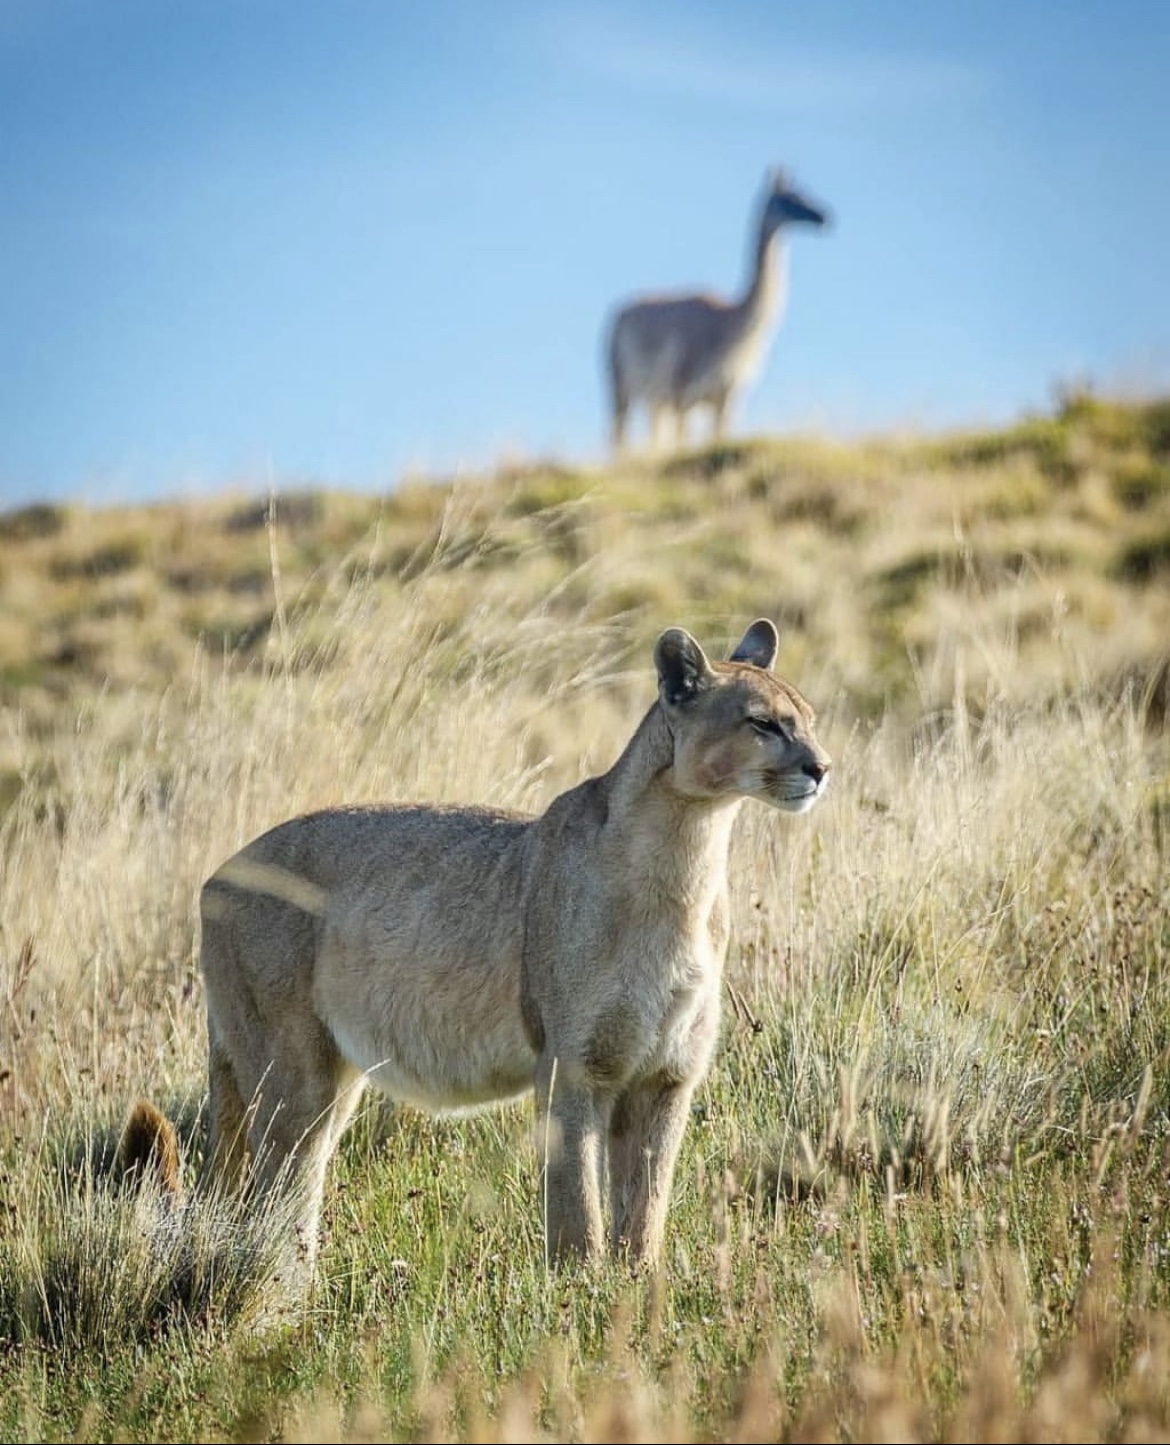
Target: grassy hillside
[923,1194]
[1049,543]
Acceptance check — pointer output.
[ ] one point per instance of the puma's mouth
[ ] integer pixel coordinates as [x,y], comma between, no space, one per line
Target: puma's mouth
[797,795]
[802,803]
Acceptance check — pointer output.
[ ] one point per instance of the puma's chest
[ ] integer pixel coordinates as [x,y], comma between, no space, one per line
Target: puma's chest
[659,1014]
[687,1033]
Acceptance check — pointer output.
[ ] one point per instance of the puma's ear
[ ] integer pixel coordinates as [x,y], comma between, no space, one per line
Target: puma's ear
[758,644]
[683,669]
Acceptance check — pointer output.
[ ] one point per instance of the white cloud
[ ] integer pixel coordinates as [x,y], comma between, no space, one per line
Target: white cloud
[720,66]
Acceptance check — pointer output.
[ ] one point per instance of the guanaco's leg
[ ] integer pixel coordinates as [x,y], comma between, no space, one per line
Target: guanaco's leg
[660,427]
[621,411]
[721,415]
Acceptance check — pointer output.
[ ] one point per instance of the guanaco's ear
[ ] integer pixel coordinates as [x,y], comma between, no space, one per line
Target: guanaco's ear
[758,644]
[683,669]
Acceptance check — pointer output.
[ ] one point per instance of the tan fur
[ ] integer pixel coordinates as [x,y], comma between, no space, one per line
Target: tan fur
[457,956]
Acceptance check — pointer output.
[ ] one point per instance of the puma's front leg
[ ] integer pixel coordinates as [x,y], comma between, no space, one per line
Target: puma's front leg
[571,1126]
[646,1130]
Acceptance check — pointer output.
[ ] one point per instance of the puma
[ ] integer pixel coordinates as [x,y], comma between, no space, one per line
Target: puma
[458,956]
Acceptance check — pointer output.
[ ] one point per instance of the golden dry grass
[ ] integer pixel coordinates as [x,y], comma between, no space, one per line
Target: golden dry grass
[924,1193]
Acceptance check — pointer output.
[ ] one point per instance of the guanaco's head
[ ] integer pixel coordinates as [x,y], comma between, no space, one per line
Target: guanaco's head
[785,204]
[738,729]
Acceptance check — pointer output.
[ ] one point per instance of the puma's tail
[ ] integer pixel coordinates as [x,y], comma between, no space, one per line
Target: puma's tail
[149,1149]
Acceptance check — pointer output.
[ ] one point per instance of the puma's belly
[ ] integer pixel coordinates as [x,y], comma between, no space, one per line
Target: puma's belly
[430,1018]
[442,1071]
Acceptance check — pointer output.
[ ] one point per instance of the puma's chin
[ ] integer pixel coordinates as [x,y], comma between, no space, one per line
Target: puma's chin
[797,800]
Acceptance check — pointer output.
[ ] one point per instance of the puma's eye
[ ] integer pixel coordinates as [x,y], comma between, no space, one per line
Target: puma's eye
[765,725]
[772,727]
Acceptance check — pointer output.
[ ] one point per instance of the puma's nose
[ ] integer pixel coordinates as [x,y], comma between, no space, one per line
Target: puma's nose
[816,771]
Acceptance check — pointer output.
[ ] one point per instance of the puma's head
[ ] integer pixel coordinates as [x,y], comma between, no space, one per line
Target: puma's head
[739,730]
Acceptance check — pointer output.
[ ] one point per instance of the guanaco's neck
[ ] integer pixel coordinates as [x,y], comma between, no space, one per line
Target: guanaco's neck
[763,301]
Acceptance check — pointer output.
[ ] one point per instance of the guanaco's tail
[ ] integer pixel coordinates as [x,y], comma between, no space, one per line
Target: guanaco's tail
[149,1149]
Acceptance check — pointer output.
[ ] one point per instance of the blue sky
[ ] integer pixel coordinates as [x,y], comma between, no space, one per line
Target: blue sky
[271,242]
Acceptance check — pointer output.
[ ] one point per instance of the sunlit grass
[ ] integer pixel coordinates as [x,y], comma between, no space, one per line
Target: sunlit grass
[923,1193]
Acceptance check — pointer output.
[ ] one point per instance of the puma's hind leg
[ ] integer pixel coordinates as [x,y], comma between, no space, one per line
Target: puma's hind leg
[226,1152]
[278,1107]
[295,1131]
